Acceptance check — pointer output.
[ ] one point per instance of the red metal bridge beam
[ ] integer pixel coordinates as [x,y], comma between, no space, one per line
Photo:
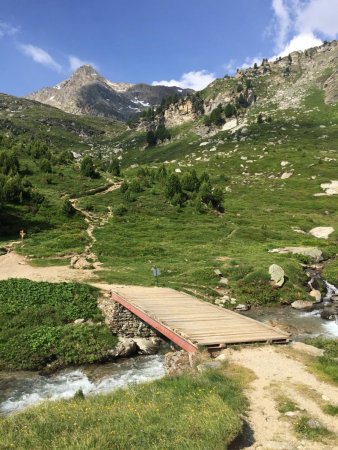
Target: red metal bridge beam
[179,340]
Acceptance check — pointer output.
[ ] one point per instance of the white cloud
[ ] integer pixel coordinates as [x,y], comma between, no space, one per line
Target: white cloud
[40,56]
[282,22]
[318,16]
[299,24]
[300,43]
[6,29]
[196,80]
[75,63]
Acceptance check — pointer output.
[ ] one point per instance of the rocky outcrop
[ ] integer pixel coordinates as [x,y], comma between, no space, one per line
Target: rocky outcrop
[179,113]
[331,89]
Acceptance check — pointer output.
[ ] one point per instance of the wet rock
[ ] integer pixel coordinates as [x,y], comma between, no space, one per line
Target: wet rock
[321,232]
[277,275]
[125,347]
[316,295]
[328,314]
[302,305]
[147,346]
[242,307]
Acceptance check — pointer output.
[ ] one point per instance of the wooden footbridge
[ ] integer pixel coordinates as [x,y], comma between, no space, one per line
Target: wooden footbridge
[190,322]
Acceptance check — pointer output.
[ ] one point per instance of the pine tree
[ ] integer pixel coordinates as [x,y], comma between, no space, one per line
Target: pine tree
[173,186]
[87,167]
[151,139]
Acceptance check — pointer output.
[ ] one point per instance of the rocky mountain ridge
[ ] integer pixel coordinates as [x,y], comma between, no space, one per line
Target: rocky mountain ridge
[280,84]
[86,92]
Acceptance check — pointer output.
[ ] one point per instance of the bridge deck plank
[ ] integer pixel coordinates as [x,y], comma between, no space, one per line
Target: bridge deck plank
[193,320]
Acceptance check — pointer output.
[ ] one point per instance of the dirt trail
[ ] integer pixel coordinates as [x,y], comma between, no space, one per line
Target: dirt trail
[93,220]
[278,373]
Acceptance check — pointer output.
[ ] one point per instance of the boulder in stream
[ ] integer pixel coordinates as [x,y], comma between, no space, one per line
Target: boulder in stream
[302,305]
[125,347]
[328,314]
[316,295]
[147,346]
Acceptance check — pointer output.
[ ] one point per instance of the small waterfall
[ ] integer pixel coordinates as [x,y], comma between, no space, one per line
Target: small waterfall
[331,290]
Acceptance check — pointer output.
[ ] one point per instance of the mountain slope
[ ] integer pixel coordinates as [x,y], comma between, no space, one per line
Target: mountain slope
[86,92]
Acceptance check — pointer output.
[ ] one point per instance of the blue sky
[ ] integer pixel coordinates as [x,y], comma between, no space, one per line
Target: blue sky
[181,42]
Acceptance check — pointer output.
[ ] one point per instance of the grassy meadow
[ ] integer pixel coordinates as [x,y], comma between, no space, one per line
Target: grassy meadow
[185,412]
[37,329]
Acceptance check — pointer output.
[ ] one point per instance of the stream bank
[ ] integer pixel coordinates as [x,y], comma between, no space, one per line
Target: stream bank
[21,389]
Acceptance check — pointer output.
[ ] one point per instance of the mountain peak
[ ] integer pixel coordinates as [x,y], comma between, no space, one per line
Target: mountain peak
[86,70]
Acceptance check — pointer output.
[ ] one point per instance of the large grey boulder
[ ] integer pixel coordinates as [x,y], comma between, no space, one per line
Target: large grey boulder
[277,275]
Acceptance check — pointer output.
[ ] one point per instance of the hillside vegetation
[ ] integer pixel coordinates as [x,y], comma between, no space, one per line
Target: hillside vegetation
[258,179]
[37,329]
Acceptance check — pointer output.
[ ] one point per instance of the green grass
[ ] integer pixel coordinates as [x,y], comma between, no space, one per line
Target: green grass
[36,325]
[285,404]
[331,410]
[326,365]
[315,433]
[185,412]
